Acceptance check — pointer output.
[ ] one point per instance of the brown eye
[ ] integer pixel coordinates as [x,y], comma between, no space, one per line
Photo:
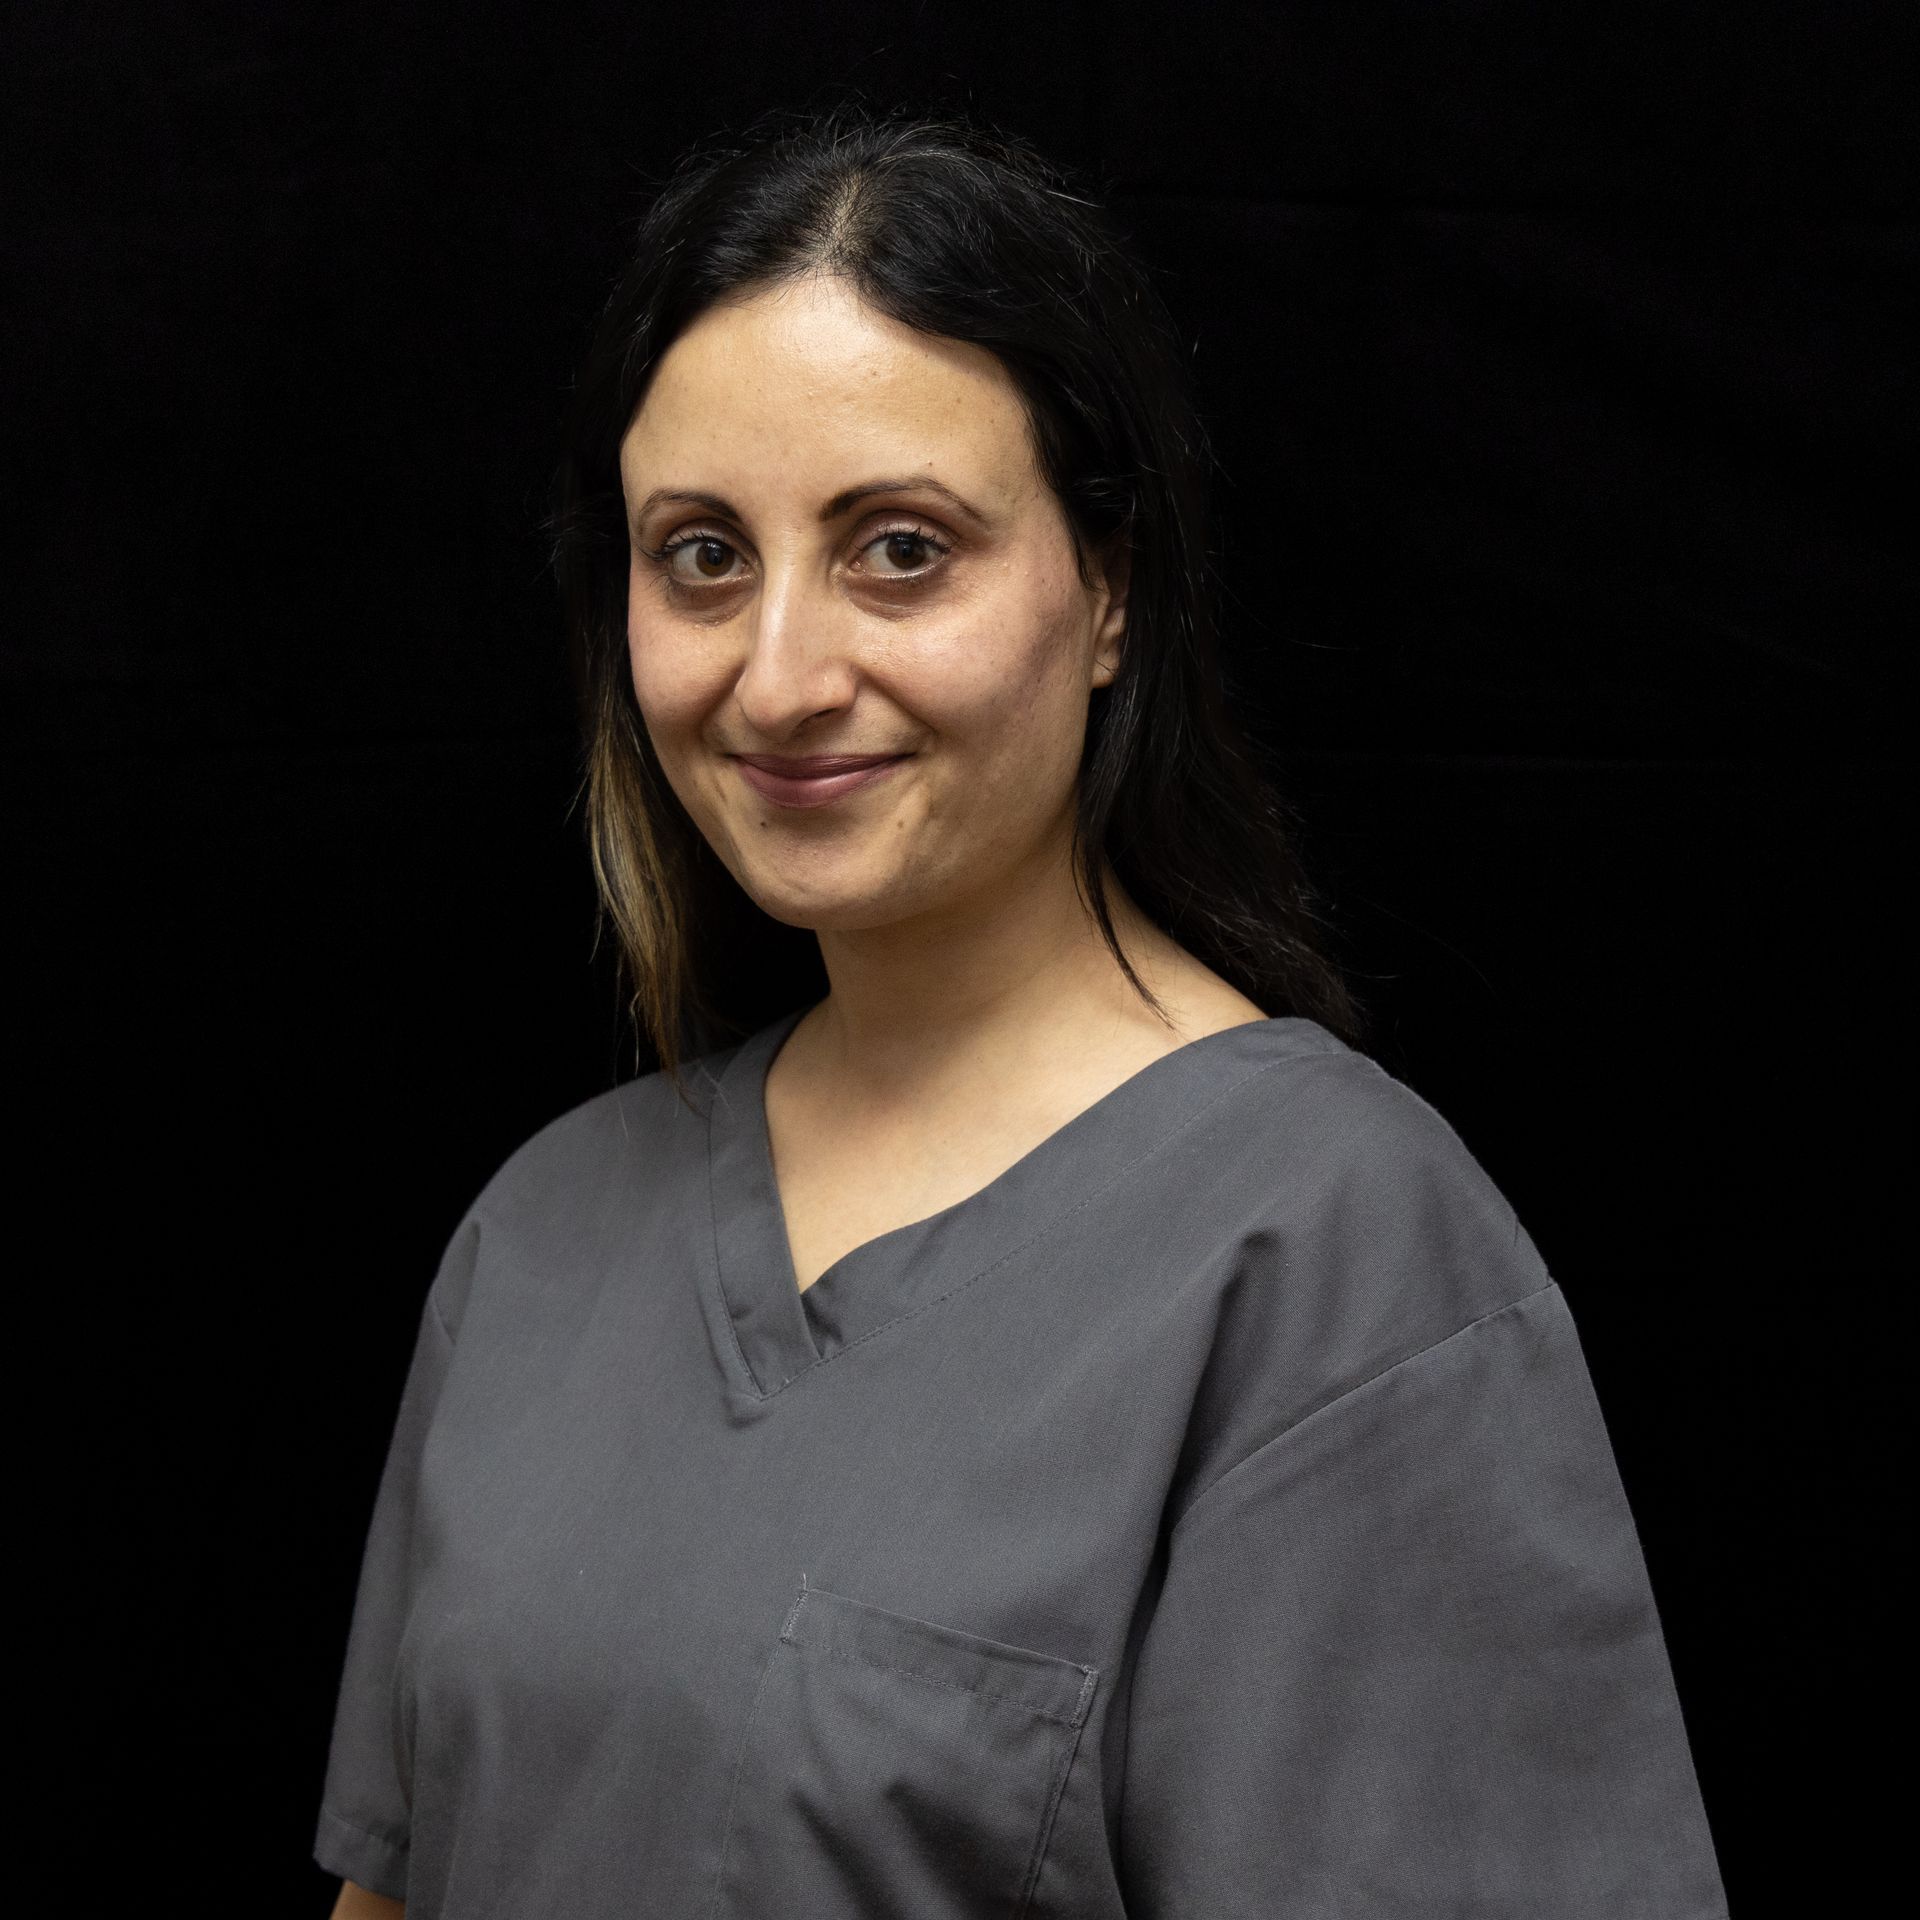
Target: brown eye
[709,553]
[906,545]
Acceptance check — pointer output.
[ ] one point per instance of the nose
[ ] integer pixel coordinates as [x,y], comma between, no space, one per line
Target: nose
[799,652]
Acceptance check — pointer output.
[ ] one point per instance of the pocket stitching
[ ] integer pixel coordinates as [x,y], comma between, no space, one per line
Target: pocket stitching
[983,1693]
[1069,1749]
[904,1626]
[1065,1750]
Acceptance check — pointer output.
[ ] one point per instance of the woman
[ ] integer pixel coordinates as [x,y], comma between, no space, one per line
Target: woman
[1048,1427]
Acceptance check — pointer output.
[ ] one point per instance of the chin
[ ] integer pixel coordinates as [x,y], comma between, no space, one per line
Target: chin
[852,910]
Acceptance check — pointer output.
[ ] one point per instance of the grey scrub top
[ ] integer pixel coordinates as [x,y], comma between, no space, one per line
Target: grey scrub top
[1209,1519]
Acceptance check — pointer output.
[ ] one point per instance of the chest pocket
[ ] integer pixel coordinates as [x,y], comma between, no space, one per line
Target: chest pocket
[896,1769]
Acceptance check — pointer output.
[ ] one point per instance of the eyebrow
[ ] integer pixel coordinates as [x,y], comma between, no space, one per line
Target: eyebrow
[838,505]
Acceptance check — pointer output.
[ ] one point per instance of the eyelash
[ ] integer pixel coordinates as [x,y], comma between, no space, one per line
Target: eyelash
[662,556]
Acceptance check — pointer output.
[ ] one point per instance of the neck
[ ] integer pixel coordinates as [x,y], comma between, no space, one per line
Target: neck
[979,987]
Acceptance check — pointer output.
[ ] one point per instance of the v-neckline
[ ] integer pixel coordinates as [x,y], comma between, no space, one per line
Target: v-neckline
[779,1331]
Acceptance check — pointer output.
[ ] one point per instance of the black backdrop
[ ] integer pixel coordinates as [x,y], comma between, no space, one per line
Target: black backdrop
[1556,357]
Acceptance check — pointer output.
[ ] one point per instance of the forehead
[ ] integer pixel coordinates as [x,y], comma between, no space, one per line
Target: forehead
[809,377]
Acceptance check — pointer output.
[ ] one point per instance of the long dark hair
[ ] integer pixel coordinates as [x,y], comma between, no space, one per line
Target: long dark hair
[967,232]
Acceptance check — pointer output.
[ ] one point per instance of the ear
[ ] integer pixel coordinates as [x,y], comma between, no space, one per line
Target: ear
[1109,642]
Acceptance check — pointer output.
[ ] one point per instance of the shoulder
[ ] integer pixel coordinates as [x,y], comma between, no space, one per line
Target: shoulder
[578,1179]
[628,1127]
[1358,1230]
[1331,1134]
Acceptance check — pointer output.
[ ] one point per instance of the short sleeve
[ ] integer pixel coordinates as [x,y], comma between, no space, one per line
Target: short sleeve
[1406,1662]
[364,1818]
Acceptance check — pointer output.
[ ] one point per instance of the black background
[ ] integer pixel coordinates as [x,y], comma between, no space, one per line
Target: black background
[1557,357]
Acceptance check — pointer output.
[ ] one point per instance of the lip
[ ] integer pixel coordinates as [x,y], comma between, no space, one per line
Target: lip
[817,781]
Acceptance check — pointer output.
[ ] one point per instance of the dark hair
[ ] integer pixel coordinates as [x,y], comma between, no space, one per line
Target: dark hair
[965,232]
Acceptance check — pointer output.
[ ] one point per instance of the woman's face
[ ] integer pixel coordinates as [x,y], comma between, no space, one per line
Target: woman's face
[937,617]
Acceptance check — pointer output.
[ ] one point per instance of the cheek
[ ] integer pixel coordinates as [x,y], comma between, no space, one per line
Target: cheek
[1010,685]
[663,686]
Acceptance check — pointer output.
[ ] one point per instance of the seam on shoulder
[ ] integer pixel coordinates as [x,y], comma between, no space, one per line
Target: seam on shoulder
[457,1258]
[1341,1398]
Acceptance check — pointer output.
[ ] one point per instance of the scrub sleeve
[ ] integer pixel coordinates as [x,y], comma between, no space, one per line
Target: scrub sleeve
[364,1812]
[1406,1662]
